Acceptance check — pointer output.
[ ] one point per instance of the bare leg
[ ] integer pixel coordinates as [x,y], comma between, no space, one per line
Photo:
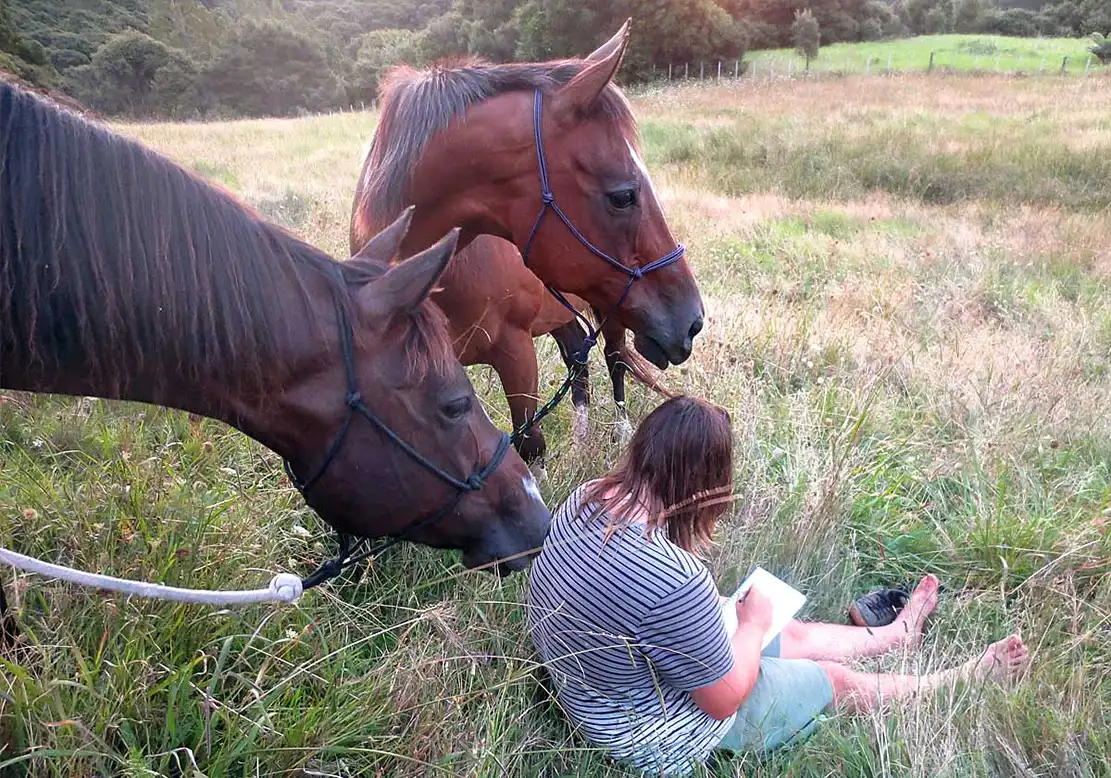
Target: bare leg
[839,642]
[864,692]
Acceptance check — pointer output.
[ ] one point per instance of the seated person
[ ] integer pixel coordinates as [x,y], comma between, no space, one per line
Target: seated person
[628,620]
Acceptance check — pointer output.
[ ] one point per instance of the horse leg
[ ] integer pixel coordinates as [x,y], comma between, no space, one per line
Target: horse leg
[8,629]
[571,337]
[515,363]
[613,335]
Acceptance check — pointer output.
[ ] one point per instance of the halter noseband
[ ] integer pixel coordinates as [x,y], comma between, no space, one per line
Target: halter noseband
[548,203]
[355,405]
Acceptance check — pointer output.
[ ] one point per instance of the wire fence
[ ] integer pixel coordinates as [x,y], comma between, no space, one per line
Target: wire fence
[772,67]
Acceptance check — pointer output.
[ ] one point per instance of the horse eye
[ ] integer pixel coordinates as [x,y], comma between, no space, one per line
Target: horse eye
[622,199]
[458,408]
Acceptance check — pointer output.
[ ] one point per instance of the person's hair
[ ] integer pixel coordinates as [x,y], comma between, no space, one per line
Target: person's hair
[678,469]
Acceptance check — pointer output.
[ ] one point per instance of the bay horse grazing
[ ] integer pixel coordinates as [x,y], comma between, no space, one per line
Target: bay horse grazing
[124,276]
[489,147]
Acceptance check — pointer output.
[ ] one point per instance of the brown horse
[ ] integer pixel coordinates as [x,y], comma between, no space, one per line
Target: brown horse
[123,276]
[461,143]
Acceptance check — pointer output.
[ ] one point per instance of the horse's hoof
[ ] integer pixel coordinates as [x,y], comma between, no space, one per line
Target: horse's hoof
[581,425]
[539,472]
[623,430]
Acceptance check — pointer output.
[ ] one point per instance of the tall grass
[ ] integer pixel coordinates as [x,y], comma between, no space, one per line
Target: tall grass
[919,384]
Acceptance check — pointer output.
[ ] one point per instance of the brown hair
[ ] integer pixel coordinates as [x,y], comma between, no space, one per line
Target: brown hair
[678,468]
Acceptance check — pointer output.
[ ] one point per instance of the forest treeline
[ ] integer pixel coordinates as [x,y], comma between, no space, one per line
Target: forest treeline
[211,58]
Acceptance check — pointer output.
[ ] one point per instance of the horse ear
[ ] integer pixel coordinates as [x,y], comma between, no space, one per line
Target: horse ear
[384,246]
[616,43]
[579,94]
[406,285]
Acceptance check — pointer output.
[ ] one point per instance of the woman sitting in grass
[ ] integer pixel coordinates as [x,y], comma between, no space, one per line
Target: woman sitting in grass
[628,620]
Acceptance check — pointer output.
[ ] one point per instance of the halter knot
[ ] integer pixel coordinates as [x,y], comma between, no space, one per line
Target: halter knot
[637,273]
[474,482]
[354,400]
[547,197]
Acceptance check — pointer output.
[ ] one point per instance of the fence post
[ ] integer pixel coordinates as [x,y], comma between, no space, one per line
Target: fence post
[1041,67]
[737,69]
[669,71]
[889,62]
[790,68]
[771,68]
[1087,65]
[868,66]
[687,70]
[976,62]
[930,69]
[701,70]
[1018,67]
[997,64]
[1065,66]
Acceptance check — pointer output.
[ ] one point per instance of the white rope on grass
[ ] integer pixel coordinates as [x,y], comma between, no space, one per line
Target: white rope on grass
[284,587]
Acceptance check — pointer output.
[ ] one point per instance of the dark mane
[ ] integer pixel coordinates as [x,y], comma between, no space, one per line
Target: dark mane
[116,261]
[416,104]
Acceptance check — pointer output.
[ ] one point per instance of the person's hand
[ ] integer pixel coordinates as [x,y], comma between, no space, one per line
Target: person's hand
[754,611]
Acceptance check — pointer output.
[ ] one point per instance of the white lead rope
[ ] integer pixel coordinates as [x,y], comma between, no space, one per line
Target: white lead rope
[284,587]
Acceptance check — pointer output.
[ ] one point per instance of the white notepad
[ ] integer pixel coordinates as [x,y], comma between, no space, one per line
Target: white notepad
[786,602]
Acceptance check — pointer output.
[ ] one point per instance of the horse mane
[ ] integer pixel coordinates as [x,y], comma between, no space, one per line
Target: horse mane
[116,261]
[418,103]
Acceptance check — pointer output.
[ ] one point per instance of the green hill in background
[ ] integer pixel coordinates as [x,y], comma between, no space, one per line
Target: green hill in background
[214,58]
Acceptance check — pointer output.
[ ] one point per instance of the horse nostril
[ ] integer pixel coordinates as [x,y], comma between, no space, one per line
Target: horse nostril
[696,327]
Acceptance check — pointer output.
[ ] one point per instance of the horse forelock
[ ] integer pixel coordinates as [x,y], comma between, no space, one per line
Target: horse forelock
[419,103]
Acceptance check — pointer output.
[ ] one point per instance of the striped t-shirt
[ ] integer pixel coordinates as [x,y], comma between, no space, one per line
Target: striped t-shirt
[627,629]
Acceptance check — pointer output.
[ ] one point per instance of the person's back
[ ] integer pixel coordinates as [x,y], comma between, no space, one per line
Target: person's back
[626,626]
[628,622]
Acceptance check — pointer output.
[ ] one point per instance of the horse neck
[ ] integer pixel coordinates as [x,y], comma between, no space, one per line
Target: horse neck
[458,182]
[261,410]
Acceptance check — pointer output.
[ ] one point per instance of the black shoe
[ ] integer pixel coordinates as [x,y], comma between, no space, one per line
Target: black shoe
[878,608]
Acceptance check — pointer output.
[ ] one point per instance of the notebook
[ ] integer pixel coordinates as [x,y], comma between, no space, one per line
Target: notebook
[786,602]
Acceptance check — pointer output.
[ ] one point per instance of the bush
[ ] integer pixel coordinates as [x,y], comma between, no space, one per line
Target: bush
[135,75]
[378,51]
[1101,47]
[269,68]
[1016,21]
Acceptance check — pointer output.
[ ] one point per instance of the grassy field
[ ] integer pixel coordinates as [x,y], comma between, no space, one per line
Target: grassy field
[987,53]
[906,281]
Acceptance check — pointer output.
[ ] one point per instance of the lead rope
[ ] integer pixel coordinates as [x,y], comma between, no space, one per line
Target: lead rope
[284,587]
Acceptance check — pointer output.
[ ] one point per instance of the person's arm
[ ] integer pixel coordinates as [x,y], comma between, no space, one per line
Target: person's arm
[724,697]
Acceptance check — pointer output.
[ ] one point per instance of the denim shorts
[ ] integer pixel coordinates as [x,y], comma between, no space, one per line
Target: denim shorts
[784,706]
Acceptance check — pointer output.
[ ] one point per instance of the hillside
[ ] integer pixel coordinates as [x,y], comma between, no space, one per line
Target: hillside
[210,58]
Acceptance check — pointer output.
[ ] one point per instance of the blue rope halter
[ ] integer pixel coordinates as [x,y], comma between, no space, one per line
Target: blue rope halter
[634,273]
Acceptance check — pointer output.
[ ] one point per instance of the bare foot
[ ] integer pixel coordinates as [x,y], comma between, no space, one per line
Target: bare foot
[911,621]
[1002,661]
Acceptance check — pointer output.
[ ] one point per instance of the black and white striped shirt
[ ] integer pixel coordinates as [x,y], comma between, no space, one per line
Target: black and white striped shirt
[628,628]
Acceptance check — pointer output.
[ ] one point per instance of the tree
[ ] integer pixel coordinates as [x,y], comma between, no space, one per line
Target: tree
[270,68]
[968,15]
[379,50]
[806,35]
[1101,47]
[27,59]
[135,75]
